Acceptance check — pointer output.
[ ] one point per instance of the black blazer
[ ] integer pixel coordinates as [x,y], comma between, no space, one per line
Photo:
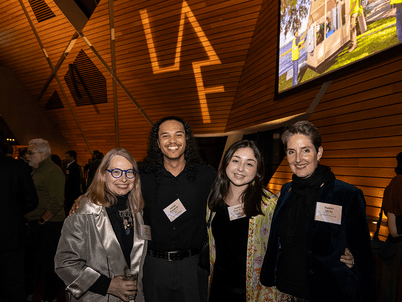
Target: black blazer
[328,279]
[73,182]
[17,197]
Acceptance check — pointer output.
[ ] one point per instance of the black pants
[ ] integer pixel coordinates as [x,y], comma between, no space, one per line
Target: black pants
[174,281]
[42,241]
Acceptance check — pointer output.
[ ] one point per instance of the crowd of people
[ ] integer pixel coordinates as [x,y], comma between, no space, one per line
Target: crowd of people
[136,231]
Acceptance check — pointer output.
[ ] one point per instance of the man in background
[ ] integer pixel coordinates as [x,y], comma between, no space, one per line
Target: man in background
[93,165]
[45,222]
[17,197]
[354,10]
[73,181]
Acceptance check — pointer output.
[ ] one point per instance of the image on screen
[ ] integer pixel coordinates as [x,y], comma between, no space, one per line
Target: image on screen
[320,36]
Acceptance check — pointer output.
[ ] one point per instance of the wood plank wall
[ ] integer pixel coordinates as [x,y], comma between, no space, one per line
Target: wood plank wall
[359,117]
[227,25]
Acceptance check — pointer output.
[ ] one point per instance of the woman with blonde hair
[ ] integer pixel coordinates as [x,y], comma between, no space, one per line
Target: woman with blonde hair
[102,245]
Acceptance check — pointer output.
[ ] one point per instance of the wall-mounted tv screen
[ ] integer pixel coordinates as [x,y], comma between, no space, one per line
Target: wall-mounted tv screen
[320,36]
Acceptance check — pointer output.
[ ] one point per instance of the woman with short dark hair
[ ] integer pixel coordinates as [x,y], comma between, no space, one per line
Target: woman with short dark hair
[316,218]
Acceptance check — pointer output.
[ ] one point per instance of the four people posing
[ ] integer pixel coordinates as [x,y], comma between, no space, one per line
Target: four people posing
[175,186]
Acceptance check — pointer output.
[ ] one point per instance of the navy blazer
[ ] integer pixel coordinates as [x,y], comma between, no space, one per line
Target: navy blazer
[329,279]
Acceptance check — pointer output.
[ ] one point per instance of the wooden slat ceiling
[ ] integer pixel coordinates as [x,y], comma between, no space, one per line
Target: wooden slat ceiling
[196,78]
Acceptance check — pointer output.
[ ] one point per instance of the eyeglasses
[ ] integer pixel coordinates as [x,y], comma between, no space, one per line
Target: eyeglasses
[117,173]
[29,152]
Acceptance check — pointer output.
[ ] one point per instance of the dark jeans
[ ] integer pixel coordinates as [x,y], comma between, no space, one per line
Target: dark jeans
[42,241]
[174,281]
[12,275]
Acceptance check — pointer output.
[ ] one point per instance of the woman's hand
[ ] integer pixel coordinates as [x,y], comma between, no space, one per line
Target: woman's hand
[75,206]
[348,258]
[121,288]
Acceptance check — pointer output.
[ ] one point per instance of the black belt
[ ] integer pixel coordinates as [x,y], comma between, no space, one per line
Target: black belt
[174,255]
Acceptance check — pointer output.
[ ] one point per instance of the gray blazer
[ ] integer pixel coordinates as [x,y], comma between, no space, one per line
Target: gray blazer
[88,247]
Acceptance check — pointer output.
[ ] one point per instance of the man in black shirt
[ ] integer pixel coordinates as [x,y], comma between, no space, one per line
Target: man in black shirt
[73,181]
[175,186]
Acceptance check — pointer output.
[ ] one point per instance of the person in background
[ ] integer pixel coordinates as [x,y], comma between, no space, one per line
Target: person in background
[93,165]
[7,150]
[241,210]
[398,18]
[102,244]
[45,222]
[22,157]
[354,11]
[316,218]
[57,160]
[73,182]
[296,45]
[17,197]
[392,205]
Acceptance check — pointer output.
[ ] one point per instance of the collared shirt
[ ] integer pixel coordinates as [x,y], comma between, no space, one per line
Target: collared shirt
[49,182]
[188,231]
[68,165]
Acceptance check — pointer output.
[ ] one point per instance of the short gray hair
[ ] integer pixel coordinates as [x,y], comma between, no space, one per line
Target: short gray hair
[302,127]
[41,145]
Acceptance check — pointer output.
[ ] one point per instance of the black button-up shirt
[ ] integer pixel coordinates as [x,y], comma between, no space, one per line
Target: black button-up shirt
[188,231]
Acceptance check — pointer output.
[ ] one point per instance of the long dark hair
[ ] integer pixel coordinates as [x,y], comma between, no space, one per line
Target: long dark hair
[252,195]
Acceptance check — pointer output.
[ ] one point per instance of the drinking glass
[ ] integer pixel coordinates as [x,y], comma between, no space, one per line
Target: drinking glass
[130,276]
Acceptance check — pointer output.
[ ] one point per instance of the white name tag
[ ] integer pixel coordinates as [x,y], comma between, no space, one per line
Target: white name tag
[146,232]
[327,212]
[236,211]
[174,210]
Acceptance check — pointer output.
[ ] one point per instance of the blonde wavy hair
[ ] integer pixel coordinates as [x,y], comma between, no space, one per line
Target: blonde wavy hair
[98,191]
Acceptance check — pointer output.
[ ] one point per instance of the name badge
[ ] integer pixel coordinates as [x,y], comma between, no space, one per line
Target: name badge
[327,212]
[174,210]
[236,211]
[146,232]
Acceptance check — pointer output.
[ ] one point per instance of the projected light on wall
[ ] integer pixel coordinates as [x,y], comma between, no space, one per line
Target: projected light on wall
[213,58]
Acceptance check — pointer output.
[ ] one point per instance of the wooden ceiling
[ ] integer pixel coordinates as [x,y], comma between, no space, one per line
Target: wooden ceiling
[133,63]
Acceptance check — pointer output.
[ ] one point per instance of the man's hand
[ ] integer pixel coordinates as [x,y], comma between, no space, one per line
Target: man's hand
[121,288]
[75,206]
[348,258]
